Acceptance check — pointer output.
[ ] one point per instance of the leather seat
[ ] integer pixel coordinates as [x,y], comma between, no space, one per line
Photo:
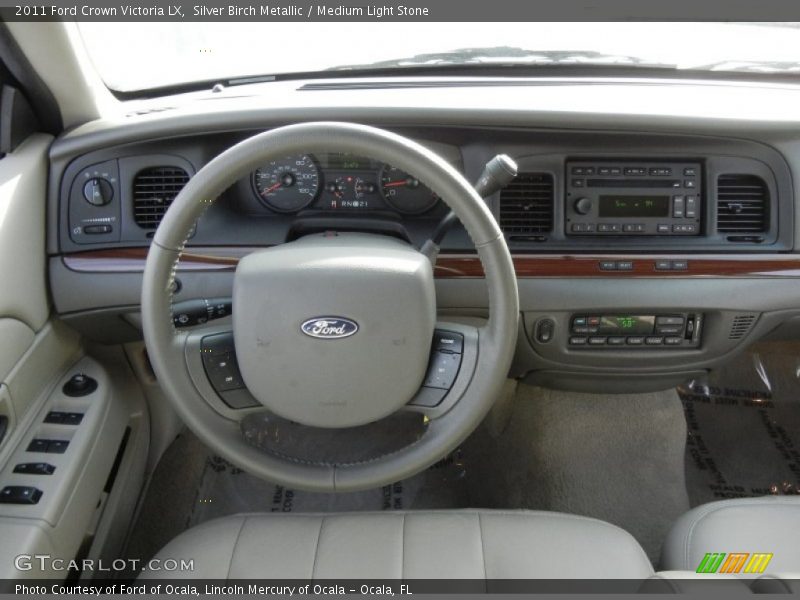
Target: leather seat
[747,525]
[473,544]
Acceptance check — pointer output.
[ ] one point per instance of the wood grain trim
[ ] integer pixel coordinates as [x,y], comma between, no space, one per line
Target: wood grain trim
[589,266]
[454,266]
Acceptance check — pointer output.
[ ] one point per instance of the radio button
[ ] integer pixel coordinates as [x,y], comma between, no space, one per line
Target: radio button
[677,206]
[578,183]
[579,321]
[593,321]
[604,171]
[635,171]
[680,265]
[673,341]
[685,228]
[578,227]
[615,171]
[654,340]
[690,183]
[635,341]
[578,171]
[577,341]
[662,228]
[616,341]
[597,341]
[624,265]
[690,172]
[691,207]
[608,265]
[660,171]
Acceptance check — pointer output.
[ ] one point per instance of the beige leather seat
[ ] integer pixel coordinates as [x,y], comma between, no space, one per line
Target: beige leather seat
[767,525]
[754,525]
[410,545]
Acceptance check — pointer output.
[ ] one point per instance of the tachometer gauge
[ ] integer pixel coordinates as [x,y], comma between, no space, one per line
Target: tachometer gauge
[405,193]
[289,184]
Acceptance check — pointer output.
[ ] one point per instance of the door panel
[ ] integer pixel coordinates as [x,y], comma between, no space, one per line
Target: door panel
[24,306]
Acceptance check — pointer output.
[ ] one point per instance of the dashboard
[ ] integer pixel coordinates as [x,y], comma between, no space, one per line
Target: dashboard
[646,252]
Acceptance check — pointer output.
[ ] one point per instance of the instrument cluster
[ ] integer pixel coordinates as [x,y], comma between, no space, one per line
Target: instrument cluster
[339,182]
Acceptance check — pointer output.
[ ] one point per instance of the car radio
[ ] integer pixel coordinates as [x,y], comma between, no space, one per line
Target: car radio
[629,332]
[633,198]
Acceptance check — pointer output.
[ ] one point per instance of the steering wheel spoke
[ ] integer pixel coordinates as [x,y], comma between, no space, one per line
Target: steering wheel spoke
[212,365]
[451,365]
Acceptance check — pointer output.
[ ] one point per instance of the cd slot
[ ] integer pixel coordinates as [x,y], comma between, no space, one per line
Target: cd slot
[633,183]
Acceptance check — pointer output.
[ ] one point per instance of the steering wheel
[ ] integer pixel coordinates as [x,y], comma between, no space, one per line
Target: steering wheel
[333,332]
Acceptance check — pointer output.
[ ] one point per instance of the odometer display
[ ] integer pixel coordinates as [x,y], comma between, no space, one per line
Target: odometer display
[289,184]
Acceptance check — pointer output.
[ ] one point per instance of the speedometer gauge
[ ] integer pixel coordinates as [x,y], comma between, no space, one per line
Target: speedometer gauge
[289,184]
[405,193]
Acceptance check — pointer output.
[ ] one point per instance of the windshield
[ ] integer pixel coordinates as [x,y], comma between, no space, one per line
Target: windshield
[139,56]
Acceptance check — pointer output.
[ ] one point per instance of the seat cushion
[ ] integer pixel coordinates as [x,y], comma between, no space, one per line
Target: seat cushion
[746,525]
[473,544]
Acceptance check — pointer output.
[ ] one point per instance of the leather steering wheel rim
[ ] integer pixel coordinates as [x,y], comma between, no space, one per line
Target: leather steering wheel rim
[166,345]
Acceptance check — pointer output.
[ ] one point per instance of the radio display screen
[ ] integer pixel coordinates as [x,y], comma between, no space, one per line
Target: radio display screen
[633,206]
[626,325]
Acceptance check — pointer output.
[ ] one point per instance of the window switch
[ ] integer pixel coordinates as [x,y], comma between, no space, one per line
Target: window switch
[37,468]
[19,494]
[37,445]
[72,418]
[57,446]
[54,417]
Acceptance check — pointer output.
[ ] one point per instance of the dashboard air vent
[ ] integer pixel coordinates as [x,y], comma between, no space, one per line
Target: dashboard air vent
[740,326]
[526,205]
[742,204]
[154,189]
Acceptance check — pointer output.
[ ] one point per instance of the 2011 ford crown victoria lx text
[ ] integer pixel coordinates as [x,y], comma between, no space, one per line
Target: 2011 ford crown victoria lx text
[432,306]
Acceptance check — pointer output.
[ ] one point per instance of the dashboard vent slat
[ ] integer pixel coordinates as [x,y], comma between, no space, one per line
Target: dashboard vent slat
[741,326]
[154,189]
[526,205]
[742,204]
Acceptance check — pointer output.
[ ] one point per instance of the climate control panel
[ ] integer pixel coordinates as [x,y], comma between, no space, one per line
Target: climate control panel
[635,331]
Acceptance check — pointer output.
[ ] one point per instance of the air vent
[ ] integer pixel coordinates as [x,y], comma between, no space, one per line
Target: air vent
[154,189]
[741,325]
[742,204]
[526,205]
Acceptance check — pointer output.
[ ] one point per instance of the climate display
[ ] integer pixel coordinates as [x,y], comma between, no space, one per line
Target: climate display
[626,325]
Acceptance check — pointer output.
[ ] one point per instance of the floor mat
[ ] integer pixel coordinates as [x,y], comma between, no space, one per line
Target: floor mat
[744,426]
[619,458]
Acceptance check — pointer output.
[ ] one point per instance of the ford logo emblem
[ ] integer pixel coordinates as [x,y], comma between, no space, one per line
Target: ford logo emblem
[329,328]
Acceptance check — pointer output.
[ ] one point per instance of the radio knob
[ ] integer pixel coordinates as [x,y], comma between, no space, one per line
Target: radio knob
[583,206]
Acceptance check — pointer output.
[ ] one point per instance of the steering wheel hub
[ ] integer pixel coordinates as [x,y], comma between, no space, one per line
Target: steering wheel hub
[334,330]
